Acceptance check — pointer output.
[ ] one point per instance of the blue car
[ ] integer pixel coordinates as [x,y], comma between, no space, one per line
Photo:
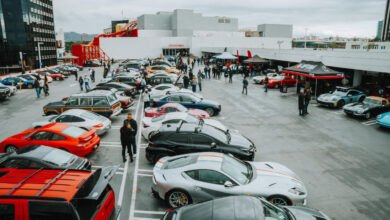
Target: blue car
[383,120]
[189,101]
[13,80]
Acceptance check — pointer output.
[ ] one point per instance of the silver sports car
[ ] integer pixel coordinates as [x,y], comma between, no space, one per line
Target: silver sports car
[80,118]
[197,177]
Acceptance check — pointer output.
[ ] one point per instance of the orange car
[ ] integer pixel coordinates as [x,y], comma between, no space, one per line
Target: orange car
[27,194]
[153,69]
[73,139]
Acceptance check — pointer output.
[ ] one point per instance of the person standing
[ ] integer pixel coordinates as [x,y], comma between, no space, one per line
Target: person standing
[46,86]
[193,83]
[93,75]
[143,84]
[230,75]
[146,98]
[307,101]
[76,75]
[81,82]
[266,80]
[86,83]
[245,86]
[36,86]
[126,141]
[186,81]
[191,74]
[41,85]
[208,71]
[301,102]
[200,77]
[133,131]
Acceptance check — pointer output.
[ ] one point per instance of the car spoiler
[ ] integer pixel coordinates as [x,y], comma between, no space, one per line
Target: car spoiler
[106,174]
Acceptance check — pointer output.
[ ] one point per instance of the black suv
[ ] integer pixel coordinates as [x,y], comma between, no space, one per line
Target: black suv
[183,138]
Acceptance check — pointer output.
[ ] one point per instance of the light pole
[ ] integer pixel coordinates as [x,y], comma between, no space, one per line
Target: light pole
[39,54]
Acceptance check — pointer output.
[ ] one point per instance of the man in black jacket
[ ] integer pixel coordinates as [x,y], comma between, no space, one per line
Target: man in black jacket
[133,132]
[126,141]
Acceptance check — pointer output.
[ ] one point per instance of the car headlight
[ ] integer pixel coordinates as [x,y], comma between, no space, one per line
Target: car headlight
[360,111]
[379,117]
[297,191]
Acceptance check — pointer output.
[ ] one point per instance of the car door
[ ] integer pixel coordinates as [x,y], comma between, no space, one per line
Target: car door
[188,102]
[209,184]
[11,209]
[179,142]
[85,103]
[201,142]
[40,138]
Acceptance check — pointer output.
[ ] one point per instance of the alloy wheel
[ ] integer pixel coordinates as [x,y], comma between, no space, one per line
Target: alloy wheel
[177,199]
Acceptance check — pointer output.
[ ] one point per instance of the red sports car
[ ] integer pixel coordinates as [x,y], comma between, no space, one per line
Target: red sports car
[73,139]
[52,74]
[175,107]
[278,81]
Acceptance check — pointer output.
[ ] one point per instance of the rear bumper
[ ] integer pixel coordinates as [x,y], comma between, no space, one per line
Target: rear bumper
[89,148]
[103,130]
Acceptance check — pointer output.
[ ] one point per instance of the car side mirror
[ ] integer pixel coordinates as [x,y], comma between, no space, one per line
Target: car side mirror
[213,145]
[228,184]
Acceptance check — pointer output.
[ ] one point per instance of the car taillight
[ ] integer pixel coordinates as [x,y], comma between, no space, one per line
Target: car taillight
[145,126]
[137,83]
[98,125]
[170,209]
[151,144]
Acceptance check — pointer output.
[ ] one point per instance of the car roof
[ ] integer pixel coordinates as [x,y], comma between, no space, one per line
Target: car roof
[41,183]
[55,126]
[227,208]
[94,93]
[175,115]
[34,151]
[170,104]
[75,111]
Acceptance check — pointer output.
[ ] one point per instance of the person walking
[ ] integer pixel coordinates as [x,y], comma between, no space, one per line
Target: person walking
[230,75]
[301,102]
[146,98]
[126,141]
[86,83]
[190,73]
[186,81]
[245,86]
[76,75]
[36,86]
[93,75]
[266,80]
[133,131]
[46,86]
[200,77]
[143,84]
[307,101]
[81,82]
[41,85]
[193,83]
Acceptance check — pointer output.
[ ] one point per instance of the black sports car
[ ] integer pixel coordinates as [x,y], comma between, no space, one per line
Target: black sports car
[129,80]
[39,156]
[175,139]
[127,89]
[370,106]
[242,207]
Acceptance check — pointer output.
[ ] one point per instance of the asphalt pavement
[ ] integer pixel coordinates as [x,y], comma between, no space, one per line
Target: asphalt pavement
[344,162]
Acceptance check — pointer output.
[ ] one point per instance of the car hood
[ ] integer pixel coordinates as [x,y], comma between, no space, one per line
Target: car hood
[385,118]
[301,212]
[44,121]
[215,124]
[209,102]
[54,104]
[328,96]
[239,140]
[277,176]
[358,106]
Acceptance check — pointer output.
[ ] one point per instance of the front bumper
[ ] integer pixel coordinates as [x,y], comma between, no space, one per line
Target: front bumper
[327,103]
[116,112]
[349,112]
[383,124]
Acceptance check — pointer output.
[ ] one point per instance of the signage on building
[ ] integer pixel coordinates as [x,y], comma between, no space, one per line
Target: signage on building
[175,45]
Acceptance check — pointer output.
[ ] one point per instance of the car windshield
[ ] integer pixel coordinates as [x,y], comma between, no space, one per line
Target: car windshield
[216,133]
[27,135]
[58,157]
[73,131]
[191,119]
[339,93]
[238,170]
[52,118]
[159,118]
[181,162]
[182,108]
[273,212]
[111,98]
[370,101]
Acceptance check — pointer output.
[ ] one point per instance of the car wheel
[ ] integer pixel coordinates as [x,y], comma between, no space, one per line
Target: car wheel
[279,200]
[177,198]
[10,149]
[341,103]
[159,156]
[367,115]
[276,86]
[210,111]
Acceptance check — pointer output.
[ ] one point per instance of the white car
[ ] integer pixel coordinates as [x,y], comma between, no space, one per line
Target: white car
[153,124]
[80,118]
[11,88]
[165,89]
[260,79]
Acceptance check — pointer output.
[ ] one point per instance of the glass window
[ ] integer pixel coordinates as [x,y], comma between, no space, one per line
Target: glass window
[167,110]
[73,101]
[172,121]
[174,98]
[213,177]
[85,101]
[192,174]
[77,119]
[16,163]
[58,157]
[7,211]
[100,101]
[57,137]
[42,135]
[201,139]
[273,212]
[73,131]
[64,118]
[181,162]
[40,210]
[237,169]
[111,98]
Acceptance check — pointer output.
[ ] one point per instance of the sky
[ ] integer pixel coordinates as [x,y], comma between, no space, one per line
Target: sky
[346,18]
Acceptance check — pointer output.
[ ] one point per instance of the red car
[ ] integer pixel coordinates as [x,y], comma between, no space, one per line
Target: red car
[73,139]
[278,81]
[57,194]
[52,74]
[175,107]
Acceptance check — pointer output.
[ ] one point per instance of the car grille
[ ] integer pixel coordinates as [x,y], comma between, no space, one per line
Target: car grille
[348,112]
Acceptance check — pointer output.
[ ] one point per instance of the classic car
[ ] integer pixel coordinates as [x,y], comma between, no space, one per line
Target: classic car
[260,79]
[282,80]
[163,68]
[383,120]
[340,97]
[370,106]
[174,107]
[15,81]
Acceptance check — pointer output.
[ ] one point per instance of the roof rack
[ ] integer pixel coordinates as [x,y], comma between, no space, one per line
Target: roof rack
[51,181]
[21,182]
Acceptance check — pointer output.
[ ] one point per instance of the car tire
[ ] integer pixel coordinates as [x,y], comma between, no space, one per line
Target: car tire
[159,156]
[177,198]
[10,148]
[279,200]
[210,111]
[367,115]
[276,86]
[340,103]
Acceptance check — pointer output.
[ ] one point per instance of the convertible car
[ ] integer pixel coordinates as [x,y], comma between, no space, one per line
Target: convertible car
[370,106]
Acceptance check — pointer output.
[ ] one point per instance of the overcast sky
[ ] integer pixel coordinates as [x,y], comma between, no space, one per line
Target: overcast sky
[348,18]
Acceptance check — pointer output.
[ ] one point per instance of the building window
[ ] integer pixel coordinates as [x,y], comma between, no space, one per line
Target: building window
[375,47]
[355,47]
[364,47]
[383,47]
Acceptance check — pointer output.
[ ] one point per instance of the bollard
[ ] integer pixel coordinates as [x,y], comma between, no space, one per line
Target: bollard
[20,85]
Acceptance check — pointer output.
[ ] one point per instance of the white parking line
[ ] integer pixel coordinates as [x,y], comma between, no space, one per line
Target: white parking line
[135,179]
[139,218]
[370,122]
[143,170]
[96,166]
[149,212]
[141,174]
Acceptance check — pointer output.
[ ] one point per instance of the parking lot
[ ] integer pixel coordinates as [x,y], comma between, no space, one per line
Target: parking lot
[343,161]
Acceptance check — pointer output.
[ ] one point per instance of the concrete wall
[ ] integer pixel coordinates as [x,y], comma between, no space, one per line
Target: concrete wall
[154,33]
[275,30]
[159,21]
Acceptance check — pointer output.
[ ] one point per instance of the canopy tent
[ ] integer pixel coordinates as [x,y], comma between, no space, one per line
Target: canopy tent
[314,70]
[225,56]
[256,60]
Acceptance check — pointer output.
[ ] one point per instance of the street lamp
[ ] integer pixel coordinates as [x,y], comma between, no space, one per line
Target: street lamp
[39,54]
